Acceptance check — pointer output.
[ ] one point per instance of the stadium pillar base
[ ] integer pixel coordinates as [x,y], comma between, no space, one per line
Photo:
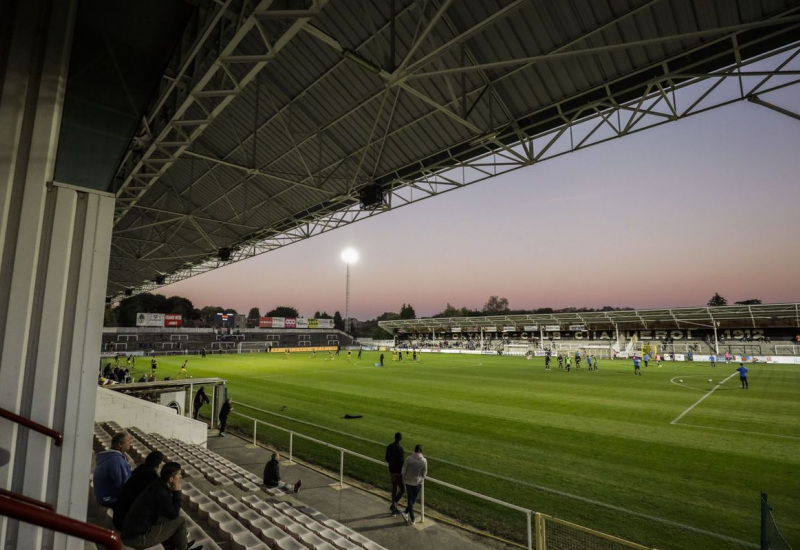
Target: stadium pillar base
[337,487]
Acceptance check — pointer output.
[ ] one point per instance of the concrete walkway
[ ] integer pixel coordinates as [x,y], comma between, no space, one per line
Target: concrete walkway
[356,508]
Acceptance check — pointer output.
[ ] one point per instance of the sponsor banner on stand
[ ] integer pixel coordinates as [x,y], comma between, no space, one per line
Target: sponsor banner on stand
[325,323]
[552,328]
[530,328]
[265,322]
[173,320]
[289,322]
[509,329]
[302,322]
[457,329]
[149,319]
[578,328]
[279,322]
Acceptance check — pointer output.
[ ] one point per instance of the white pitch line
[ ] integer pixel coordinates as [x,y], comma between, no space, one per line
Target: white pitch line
[687,411]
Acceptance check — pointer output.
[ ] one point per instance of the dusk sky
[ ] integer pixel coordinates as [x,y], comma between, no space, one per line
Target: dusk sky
[663,218]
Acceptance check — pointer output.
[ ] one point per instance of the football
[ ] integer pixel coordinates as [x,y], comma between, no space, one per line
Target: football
[710,380]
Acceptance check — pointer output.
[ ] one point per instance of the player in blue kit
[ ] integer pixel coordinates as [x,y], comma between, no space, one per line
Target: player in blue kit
[743,376]
[636,366]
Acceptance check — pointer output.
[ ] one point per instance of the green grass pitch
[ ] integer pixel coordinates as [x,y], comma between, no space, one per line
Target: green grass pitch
[597,448]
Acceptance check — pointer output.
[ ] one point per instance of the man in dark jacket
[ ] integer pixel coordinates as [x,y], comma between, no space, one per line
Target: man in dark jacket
[223,416]
[141,477]
[272,476]
[199,399]
[154,517]
[395,456]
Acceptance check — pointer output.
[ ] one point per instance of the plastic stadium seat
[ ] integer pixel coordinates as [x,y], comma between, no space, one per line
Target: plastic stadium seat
[273,491]
[370,545]
[249,516]
[312,541]
[218,517]
[359,539]
[247,541]
[344,544]
[251,500]
[283,522]
[297,531]
[196,501]
[274,536]
[290,544]
[237,508]
[204,509]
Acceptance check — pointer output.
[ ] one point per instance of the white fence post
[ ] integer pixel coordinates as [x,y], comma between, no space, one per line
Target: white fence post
[341,468]
[255,426]
[530,533]
[291,445]
[422,500]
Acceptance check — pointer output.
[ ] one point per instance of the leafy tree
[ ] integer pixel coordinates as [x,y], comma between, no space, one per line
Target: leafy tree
[316,315]
[182,306]
[338,322]
[407,312]
[283,311]
[496,304]
[748,302]
[717,300]
[452,311]
[388,316]
[108,317]
[254,313]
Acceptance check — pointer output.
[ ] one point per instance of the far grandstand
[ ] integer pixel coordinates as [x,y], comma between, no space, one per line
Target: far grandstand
[766,331]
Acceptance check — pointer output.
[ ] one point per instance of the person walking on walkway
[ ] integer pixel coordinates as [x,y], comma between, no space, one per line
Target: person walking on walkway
[394,457]
[415,469]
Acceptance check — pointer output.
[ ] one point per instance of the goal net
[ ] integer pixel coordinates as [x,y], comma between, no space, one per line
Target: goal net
[251,347]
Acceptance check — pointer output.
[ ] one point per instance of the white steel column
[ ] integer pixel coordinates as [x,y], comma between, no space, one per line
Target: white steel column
[54,251]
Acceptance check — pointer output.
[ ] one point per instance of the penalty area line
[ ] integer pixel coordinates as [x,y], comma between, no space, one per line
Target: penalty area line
[687,411]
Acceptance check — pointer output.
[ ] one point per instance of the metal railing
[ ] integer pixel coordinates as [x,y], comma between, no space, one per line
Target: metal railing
[31,425]
[540,519]
[23,510]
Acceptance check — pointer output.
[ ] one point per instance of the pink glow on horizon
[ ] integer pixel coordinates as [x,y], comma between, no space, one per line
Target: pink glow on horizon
[664,218]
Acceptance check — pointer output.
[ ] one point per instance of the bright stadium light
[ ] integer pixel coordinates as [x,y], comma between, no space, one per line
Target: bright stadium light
[349,256]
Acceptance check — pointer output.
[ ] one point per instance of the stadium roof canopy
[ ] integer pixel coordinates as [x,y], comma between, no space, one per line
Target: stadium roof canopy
[229,128]
[783,315]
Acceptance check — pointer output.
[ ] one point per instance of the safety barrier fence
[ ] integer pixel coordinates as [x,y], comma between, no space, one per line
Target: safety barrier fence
[543,532]
[29,510]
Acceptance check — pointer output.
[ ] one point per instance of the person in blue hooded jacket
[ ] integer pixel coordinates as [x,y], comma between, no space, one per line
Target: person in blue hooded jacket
[112,470]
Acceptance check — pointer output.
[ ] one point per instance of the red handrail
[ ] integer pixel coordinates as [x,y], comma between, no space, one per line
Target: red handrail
[30,424]
[30,513]
[29,500]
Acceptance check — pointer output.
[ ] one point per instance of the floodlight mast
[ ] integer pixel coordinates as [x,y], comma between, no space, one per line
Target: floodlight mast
[349,256]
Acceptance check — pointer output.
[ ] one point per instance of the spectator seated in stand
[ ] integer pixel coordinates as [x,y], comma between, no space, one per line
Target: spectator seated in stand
[142,476]
[155,516]
[112,470]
